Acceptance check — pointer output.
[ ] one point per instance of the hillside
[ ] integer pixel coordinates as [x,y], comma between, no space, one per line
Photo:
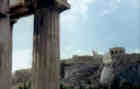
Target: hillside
[89,69]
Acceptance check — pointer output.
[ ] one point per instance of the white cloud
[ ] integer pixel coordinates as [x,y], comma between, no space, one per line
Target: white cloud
[137,50]
[105,12]
[99,51]
[134,3]
[81,5]
[106,7]
[79,9]
[68,52]
[22,59]
[82,52]
[118,1]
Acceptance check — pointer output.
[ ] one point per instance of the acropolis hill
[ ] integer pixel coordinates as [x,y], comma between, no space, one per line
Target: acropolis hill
[95,68]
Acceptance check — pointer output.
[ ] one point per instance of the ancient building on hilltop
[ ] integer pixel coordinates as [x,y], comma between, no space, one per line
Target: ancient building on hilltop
[117,51]
[117,60]
[93,59]
[86,68]
[118,55]
[101,69]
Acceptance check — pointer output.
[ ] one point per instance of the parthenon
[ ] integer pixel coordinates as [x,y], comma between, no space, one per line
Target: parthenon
[46,50]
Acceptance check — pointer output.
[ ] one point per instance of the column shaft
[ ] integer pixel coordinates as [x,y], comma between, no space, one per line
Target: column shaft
[46,50]
[5,53]
[5,46]
[4,7]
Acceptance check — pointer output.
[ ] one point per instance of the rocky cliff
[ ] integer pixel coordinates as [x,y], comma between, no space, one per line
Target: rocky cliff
[89,70]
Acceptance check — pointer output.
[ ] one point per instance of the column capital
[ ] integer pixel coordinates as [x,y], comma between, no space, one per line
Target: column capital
[62,5]
[4,8]
[59,5]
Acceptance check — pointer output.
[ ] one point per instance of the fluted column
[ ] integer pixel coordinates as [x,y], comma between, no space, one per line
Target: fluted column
[5,54]
[4,7]
[46,50]
[5,46]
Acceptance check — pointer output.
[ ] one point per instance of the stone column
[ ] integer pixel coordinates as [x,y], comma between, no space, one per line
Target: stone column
[46,51]
[5,47]
[4,7]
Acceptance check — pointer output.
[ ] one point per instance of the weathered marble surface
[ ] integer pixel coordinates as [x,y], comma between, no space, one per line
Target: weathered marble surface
[4,6]
[5,54]
[5,46]
[46,50]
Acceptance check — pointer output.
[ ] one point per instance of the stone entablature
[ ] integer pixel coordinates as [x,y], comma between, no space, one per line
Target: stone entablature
[16,2]
[22,8]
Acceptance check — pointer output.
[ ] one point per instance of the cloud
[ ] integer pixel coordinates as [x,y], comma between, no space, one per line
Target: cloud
[81,6]
[78,11]
[134,3]
[137,50]
[106,7]
[105,12]
[82,52]
[69,51]
[22,59]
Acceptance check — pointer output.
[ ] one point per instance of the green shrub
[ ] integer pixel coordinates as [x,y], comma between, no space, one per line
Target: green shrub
[26,85]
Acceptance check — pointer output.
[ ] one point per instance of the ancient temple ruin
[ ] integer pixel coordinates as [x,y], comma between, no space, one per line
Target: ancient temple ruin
[46,50]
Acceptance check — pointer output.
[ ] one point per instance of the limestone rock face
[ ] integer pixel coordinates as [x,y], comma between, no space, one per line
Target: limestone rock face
[82,69]
[129,73]
[107,72]
[123,67]
[106,75]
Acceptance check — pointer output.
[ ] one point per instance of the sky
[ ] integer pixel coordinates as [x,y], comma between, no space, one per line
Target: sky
[89,25]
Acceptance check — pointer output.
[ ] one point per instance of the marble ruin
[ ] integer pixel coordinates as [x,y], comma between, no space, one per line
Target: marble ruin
[115,60]
[46,49]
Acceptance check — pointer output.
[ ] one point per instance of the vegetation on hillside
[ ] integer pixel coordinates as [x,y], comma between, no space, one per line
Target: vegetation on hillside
[123,85]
